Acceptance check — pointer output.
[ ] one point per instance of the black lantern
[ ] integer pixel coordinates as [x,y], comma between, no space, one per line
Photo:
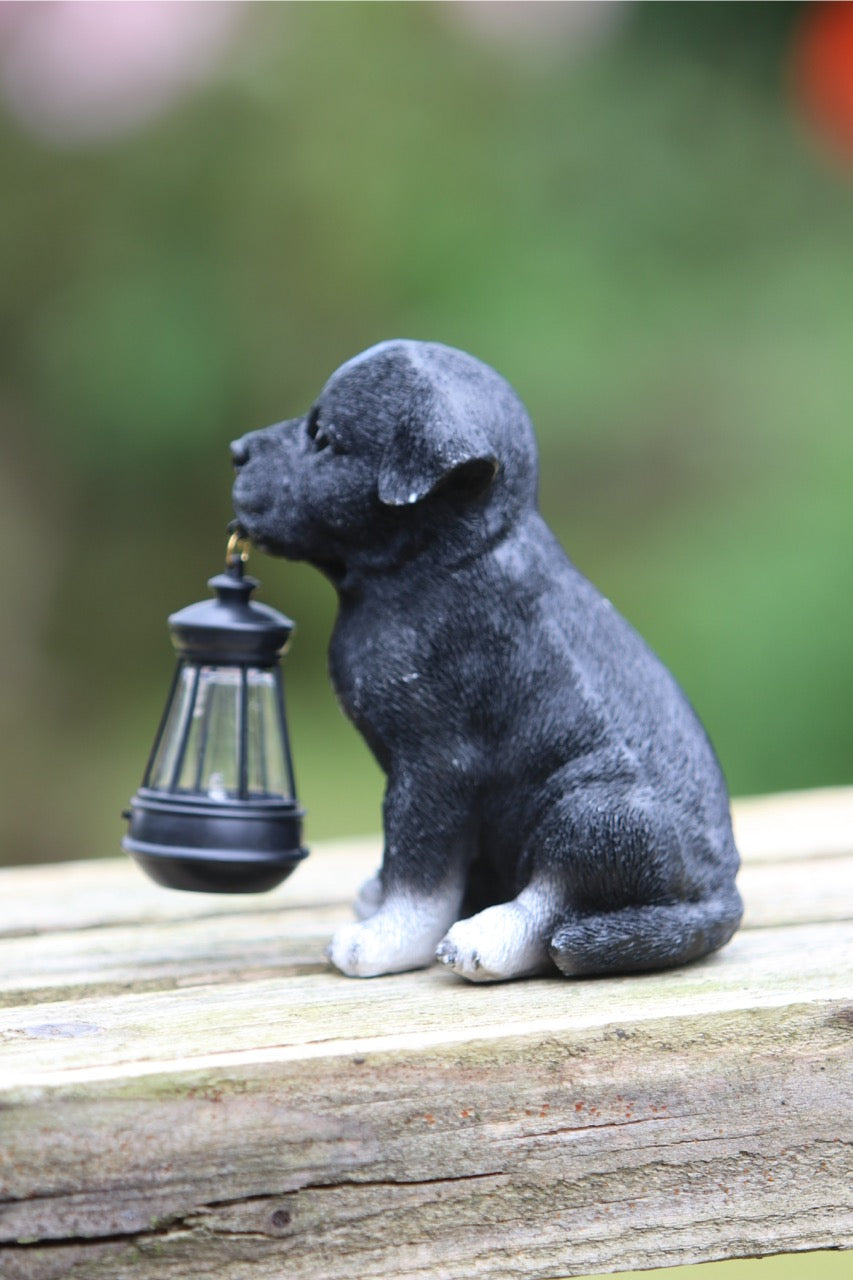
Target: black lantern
[217,809]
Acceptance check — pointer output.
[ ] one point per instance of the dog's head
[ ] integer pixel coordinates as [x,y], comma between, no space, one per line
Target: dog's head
[406,443]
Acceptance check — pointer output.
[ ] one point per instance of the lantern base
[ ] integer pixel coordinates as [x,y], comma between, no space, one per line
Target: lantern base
[239,847]
[208,871]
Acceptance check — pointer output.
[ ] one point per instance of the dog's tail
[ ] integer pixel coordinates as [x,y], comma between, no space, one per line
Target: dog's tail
[641,938]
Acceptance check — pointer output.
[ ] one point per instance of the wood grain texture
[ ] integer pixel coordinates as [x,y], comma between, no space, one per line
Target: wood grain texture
[187,1090]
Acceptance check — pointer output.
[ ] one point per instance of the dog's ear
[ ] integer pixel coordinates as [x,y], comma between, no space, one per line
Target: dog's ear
[435,446]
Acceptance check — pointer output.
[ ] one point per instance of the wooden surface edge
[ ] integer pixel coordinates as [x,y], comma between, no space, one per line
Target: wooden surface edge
[771,830]
[680,1140]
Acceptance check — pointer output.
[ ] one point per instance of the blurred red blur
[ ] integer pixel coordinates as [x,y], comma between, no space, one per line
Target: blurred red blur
[823,73]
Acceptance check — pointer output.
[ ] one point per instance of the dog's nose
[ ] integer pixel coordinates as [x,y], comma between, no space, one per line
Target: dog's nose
[239,452]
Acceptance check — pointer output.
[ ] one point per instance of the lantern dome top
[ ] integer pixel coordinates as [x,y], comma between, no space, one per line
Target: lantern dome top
[231,629]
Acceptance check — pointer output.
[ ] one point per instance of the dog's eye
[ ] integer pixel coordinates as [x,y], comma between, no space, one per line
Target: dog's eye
[316,432]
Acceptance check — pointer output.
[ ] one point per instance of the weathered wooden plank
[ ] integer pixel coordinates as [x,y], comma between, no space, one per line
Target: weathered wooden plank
[104,891]
[805,891]
[555,1151]
[299,1105]
[69,965]
[795,824]
[302,1016]
[282,940]
[186,1089]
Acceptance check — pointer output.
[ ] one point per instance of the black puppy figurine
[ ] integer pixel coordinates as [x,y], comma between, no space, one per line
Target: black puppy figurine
[552,800]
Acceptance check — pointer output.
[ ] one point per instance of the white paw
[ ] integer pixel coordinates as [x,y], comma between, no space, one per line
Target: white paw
[507,941]
[358,951]
[402,934]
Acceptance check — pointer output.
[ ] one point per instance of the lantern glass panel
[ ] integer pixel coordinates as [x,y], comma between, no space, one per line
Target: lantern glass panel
[161,775]
[211,764]
[266,771]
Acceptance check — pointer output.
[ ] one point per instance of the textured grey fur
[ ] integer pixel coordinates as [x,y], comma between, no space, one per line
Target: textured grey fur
[549,786]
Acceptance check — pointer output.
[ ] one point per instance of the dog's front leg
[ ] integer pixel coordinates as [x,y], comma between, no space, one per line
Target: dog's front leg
[402,934]
[422,884]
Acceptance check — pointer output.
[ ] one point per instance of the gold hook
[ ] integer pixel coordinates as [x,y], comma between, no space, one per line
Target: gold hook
[237,549]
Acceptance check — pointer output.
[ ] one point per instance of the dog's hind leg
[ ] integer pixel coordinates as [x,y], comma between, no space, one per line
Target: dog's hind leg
[649,879]
[635,939]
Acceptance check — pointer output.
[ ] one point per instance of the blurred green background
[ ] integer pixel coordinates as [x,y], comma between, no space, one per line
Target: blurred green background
[626,214]
[624,208]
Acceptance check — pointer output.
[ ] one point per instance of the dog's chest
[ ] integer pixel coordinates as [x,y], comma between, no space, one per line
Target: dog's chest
[379,668]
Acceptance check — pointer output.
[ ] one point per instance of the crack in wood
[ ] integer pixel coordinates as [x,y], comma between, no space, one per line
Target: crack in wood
[190,1220]
[605,1127]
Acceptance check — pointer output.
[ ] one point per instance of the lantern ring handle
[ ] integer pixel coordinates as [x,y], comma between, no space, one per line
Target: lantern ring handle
[237,549]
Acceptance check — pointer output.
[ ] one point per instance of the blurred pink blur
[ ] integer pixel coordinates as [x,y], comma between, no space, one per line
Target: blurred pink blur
[74,72]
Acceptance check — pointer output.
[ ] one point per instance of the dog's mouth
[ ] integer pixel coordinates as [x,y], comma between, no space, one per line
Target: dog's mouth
[332,567]
[246,527]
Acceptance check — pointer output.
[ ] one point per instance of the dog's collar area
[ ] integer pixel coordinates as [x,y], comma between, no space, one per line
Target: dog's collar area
[452,554]
[334,569]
